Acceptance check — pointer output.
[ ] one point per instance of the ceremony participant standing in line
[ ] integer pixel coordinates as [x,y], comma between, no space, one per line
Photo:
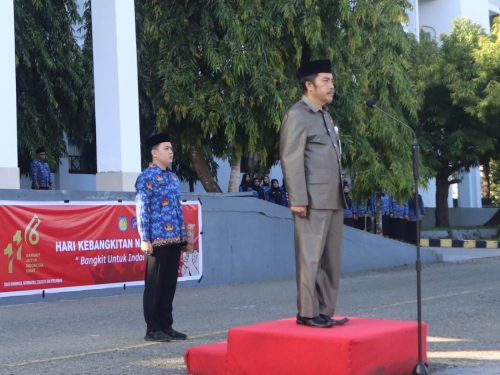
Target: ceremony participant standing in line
[310,158]
[348,214]
[398,220]
[258,190]
[266,186]
[413,216]
[385,205]
[276,195]
[246,183]
[163,234]
[40,171]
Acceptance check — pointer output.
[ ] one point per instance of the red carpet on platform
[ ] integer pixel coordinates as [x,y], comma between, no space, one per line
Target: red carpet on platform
[361,347]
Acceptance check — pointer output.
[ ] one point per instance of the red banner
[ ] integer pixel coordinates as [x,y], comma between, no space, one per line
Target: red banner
[61,247]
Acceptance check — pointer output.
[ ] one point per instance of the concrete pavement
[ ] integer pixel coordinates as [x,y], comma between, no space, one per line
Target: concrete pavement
[101,332]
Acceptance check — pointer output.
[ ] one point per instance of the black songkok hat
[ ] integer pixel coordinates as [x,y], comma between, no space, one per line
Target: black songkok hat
[314,67]
[39,150]
[156,140]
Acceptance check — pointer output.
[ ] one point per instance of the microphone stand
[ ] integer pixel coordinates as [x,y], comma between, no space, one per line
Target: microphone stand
[421,368]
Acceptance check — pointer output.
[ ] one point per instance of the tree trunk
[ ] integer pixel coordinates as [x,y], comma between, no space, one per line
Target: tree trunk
[442,187]
[486,173]
[235,175]
[203,171]
[253,160]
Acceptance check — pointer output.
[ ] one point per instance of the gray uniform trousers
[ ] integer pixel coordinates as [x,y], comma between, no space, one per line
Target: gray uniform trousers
[318,253]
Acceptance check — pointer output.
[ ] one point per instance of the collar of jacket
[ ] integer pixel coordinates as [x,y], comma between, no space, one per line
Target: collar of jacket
[312,106]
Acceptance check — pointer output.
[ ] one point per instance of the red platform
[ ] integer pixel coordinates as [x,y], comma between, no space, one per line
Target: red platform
[361,347]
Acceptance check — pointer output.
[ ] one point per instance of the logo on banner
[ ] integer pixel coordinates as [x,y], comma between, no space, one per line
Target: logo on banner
[14,249]
[123,223]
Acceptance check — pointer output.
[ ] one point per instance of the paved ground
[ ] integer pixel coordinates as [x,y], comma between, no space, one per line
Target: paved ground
[101,332]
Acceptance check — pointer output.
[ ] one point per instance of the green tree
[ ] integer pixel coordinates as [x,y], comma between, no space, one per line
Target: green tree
[452,138]
[485,103]
[494,176]
[48,78]
[220,76]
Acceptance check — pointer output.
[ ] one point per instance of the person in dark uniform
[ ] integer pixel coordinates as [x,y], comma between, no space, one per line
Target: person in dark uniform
[398,220]
[413,216]
[348,214]
[385,206]
[276,194]
[163,233]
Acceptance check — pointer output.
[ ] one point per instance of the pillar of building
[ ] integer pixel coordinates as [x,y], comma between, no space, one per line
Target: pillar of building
[469,189]
[413,25]
[116,94]
[9,170]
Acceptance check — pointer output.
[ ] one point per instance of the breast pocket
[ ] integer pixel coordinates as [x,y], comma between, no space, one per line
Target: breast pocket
[320,137]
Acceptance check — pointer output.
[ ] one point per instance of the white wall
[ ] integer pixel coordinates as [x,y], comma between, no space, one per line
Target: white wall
[438,14]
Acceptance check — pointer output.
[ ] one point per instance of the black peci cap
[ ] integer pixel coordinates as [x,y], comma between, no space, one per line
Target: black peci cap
[156,140]
[39,150]
[314,67]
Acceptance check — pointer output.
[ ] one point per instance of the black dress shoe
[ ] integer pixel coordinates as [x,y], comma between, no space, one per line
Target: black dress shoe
[175,335]
[158,336]
[336,322]
[316,321]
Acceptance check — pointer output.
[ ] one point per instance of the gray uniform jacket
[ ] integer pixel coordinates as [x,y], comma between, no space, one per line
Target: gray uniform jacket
[310,157]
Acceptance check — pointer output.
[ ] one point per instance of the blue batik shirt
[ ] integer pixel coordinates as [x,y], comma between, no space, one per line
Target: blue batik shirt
[385,203]
[158,207]
[399,211]
[40,173]
[411,210]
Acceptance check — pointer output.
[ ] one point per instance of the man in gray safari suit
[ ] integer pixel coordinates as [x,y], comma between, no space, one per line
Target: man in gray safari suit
[310,159]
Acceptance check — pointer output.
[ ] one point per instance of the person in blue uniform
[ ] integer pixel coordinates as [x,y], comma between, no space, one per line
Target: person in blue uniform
[413,216]
[385,206]
[276,194]
[266,186]
[163,234]
[398,220]
[40,171]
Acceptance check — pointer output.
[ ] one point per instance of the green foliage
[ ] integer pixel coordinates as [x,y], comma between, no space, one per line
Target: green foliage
[213,72]
[220,75]
[49,78]
[495,181]
[452,138]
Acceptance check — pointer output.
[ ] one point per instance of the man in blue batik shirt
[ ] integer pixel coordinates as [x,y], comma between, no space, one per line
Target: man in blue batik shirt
[163,233]
[40,172]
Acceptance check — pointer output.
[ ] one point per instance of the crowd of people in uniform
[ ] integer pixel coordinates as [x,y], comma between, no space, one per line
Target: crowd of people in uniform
[267,189]
[399,219]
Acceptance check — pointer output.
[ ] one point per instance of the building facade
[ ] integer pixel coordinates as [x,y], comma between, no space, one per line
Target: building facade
[117,116]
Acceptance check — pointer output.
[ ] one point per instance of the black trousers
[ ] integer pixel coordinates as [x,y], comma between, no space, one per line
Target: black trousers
[363,223]
[398,228]
[349,221]
[386,225]
[160,284]
[411,232]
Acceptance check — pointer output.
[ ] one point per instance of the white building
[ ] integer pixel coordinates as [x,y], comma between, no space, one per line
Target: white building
[435,18]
